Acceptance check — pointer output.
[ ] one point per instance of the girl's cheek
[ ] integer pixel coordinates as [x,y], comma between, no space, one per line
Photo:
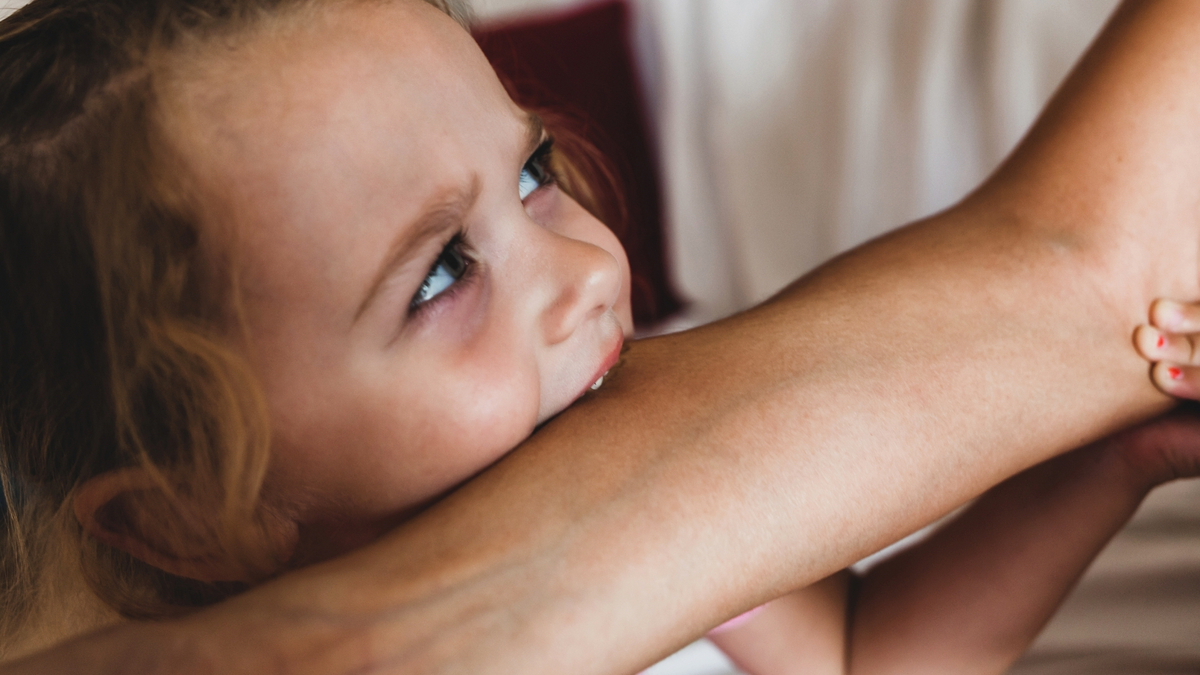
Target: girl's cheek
[496,395]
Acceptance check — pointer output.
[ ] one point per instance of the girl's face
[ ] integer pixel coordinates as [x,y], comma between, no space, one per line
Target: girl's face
[416,298]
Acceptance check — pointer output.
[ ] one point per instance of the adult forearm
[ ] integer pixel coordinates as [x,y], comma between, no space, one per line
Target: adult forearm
[720,468]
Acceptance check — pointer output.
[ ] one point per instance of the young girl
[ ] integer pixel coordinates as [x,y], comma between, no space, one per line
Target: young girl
[324,228]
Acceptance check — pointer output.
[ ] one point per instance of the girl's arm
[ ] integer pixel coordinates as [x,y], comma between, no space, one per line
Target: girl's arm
[725,466]
[972,597]
[802,633]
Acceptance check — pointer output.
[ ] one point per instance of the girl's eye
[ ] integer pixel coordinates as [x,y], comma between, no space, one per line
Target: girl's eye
[536,172]
[449,267]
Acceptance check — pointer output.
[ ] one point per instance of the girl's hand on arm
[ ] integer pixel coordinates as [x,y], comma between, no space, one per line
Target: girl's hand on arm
[805,631]
[1172,343]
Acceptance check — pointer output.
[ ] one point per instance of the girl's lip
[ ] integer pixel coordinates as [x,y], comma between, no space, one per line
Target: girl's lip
[607,364]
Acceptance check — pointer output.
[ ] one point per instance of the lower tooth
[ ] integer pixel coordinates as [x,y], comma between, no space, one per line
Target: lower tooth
[598,383]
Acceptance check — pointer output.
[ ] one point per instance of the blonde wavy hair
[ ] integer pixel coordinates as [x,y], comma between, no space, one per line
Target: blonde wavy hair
[109,350]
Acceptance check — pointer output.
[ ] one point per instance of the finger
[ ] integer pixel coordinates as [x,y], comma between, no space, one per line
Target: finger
[1175,317]
[1156,345]
[1177,379]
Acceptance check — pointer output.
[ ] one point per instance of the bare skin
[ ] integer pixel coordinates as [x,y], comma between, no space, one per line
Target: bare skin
[726,466]
[972,597]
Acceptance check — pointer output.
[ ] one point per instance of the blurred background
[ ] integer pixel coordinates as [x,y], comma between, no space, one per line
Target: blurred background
[760,138]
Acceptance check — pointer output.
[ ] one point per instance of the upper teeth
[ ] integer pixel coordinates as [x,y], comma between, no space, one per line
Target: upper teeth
[598,383]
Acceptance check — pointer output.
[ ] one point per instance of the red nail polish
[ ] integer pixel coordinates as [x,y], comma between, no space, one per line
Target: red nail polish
[1175,373]
[1161,341]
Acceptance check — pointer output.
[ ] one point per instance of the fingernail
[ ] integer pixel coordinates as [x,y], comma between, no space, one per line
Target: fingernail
[1170,313]
[1162,342]
[1174,373]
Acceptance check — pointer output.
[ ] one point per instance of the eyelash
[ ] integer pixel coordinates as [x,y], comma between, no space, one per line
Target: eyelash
[538,170]
[456,261]
[461,266]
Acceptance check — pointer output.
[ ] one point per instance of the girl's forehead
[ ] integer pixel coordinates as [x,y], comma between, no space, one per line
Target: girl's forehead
[377,97]
[331,73]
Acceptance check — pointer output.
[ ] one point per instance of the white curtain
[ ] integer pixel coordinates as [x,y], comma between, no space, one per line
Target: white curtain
[792,131]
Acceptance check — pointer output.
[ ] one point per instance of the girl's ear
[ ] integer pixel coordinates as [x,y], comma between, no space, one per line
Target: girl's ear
[126,509]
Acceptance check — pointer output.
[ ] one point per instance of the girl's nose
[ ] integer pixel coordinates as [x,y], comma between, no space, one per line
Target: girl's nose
[584,282]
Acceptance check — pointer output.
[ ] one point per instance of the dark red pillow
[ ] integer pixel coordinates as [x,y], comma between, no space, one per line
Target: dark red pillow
[581,62]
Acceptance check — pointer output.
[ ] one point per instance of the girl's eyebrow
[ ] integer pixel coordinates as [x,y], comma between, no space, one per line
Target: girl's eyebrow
[445,212]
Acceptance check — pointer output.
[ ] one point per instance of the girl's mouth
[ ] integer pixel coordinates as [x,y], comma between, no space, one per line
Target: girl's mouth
[607,364]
